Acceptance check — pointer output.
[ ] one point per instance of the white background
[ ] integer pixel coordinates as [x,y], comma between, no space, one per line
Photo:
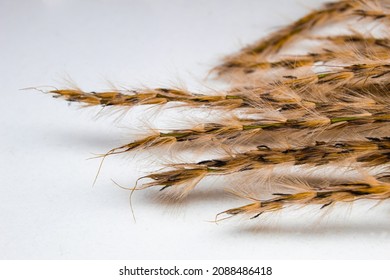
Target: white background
[48,207]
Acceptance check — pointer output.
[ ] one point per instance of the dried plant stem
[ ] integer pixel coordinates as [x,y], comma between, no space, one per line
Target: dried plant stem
[244,129]
[368,153]
[347,192]
[277,40]
[336,11]
[348,76]
[158,96]
[356,38]
[353,49]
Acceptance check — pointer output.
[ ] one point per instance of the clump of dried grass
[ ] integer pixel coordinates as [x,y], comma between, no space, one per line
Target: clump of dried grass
[328,106]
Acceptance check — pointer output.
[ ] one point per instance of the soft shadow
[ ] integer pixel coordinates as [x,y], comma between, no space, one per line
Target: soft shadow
[319,229]
[90,140]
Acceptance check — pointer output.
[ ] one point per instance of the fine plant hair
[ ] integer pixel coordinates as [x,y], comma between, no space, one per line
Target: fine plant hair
[328,106]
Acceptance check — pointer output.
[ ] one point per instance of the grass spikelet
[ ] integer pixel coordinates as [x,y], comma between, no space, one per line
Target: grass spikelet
[352,48]
[370,189]
[369,153]
[158,96]
[280,38]
[358,39]
[237,131]
[331,12]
